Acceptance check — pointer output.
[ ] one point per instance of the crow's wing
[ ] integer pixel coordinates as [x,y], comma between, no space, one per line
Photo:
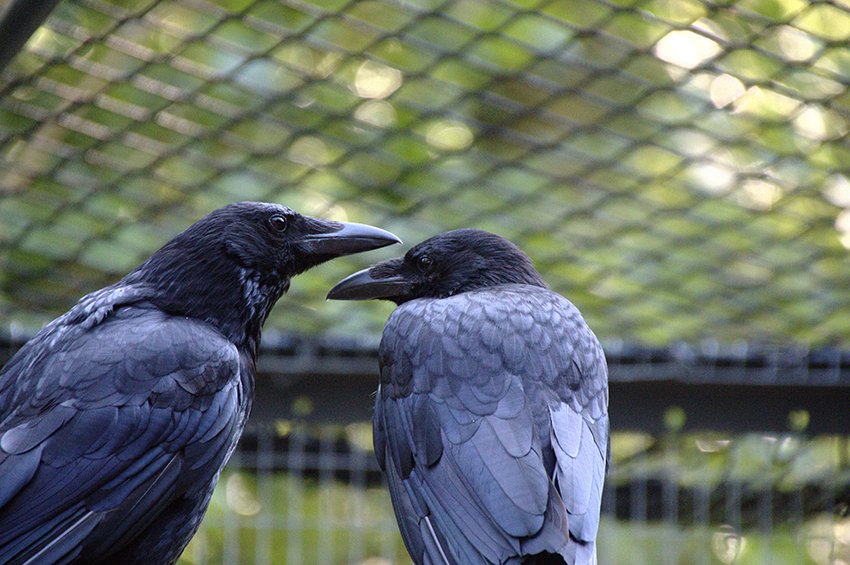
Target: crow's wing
[104,424]
[491,424]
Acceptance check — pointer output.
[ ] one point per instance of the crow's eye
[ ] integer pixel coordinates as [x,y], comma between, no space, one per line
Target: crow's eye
[424,263]
[278,223]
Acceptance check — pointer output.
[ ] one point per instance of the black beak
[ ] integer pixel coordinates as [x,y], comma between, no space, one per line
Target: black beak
[363,286]
[349,238]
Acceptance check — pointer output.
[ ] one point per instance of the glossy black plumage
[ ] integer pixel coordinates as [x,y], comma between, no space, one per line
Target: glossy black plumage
[491,416]
[116,418]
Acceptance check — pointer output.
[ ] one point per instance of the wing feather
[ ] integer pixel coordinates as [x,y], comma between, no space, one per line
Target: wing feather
[490,423]
[104,426]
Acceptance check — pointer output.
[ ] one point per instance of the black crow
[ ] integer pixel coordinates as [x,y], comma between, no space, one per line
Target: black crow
[491,417]
[117,417]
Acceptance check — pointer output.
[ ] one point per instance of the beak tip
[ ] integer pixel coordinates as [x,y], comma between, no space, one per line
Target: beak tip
[349,239]
[362,286]
[390,238]
[374,237]
[333,296]
[338,290]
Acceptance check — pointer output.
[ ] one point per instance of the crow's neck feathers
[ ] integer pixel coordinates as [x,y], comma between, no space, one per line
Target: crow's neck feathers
[259,295]
[514,269]
[206,283]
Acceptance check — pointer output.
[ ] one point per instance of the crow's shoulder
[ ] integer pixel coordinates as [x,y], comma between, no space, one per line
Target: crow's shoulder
[518,329]
[109,413]
[115,347]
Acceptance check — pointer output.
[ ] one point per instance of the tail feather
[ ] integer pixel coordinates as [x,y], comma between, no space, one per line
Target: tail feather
[544,559]
[581,552]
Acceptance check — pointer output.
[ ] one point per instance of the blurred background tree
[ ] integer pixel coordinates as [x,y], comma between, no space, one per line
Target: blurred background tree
[680,169]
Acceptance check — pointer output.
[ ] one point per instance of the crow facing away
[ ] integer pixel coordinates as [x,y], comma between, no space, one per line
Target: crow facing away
[491,417]
[117,417]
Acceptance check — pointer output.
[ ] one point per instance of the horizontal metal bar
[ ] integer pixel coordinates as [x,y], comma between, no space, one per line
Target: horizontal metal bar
[640,405]
[746,389]
[702,363]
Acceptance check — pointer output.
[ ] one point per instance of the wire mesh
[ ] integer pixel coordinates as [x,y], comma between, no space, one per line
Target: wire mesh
[313,494]
[678,168]
[299,496]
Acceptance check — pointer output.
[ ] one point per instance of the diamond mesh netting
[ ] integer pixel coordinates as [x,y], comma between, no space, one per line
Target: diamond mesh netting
[679,169]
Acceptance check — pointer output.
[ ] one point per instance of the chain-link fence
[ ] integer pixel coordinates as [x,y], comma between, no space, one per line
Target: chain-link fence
[737,481]
[680,169]
[717,457]
[311,496]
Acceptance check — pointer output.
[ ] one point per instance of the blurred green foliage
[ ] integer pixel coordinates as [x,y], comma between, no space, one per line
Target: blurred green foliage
[305,521]
[300,518]
[678,168]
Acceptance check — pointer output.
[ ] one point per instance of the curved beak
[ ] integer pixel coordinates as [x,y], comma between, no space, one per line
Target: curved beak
[348,239]
[363,286]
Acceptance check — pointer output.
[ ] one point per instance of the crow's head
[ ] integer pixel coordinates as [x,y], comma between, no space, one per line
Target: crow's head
[445,265]
[230,267]
[273,240]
